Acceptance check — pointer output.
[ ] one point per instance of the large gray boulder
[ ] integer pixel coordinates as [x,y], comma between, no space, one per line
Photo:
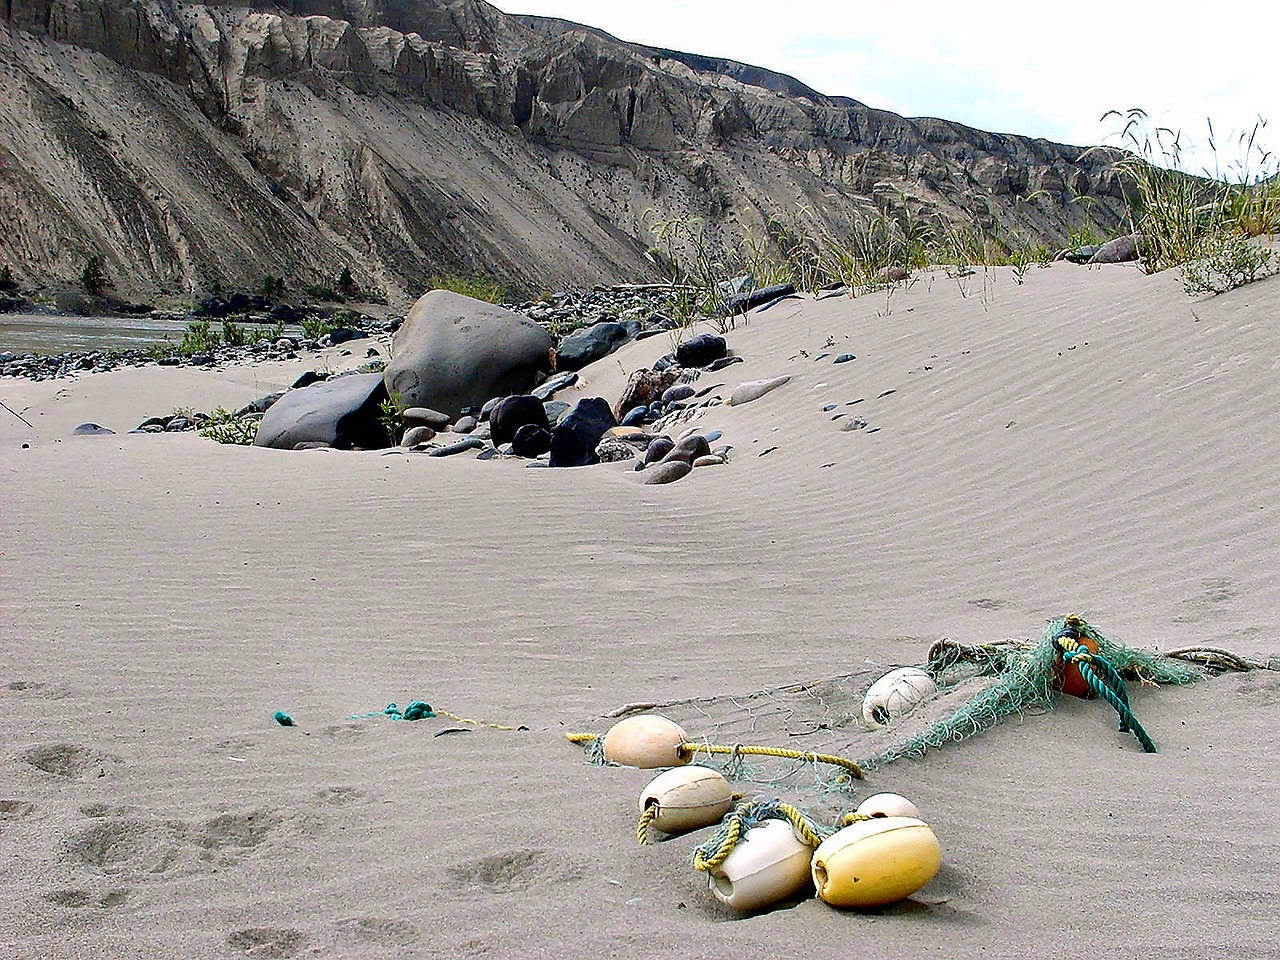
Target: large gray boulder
[454,352]
[342,412]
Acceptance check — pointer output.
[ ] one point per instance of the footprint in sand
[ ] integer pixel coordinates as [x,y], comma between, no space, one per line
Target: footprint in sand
[515,871]
[14,810]
[153,848]
[267,941]
[66,760]
[340,796]
[36,688]
[383,931]
[77,899]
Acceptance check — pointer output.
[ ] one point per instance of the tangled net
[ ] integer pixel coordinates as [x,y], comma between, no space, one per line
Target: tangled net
[978,687]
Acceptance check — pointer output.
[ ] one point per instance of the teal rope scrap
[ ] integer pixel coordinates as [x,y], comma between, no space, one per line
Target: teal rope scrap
[282,718]
[418,710]
[1110,686]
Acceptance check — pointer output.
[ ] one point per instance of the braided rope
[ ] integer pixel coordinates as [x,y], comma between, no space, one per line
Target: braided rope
[1110,686]
[744,816]
[646,822]
[1216,658]
[689,748]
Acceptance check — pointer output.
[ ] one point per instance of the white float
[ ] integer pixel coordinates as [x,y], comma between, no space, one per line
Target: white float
[769,865]
[895,694]
[687,798]
[875,862]
[888,805]
[646,741]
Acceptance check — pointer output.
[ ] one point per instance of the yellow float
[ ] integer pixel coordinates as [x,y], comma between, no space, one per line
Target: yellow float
[684,799]
[875,862]
[767,866]
[888,805]
[646,741]
[895,694]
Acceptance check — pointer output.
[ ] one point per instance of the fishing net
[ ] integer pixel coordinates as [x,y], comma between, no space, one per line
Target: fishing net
[978,686]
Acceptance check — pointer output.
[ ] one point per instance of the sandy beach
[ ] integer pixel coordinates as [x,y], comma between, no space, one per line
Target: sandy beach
[1091,441]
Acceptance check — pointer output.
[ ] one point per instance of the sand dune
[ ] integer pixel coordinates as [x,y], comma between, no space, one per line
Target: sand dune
[1090,441]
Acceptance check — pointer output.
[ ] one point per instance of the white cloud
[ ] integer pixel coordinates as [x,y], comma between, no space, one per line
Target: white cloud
[1040,69]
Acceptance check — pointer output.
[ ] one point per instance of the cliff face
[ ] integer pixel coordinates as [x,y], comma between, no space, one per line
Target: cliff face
[200,143]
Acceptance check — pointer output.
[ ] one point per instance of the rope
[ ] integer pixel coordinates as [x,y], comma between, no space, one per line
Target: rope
[1110,686]
[1216,658]
[421,710]
[744,816]
[646,822]
[282,718]
[687,749]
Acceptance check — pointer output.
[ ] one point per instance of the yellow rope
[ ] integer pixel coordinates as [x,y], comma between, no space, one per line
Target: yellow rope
[802,825]
[688,749]
[733,830]
[580,737]
[475,723]
[646,821]
[849,819]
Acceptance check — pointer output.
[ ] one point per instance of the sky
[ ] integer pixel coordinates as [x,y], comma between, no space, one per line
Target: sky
[1041,68]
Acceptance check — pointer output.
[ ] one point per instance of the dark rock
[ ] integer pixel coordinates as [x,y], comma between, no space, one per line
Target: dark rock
[664,362]
[574,440]
[681,391]
[177,425]
[844,358]
[345,335]
[724,362]
[169,361]
[555,410]
[512,413]
[309,378]
[590,344]
[531,441]
[312,445]
[160,422]
[201,360]
[547,390]
[465,424]
[755,298]
[635,416]
[701,350]
[261,404]
[340,412]
[689,449]
[92,430]
[1082,254]
[658,448]
[454,351]
[285,313]
[462,446]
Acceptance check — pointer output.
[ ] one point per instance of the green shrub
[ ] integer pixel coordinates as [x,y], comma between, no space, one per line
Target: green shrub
[315,326]
[1231,261]
[476,287]
[199,338]
[224,427]
[93,277]
[234,334]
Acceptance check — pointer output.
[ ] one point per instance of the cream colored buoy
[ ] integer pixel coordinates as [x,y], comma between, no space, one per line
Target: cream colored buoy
[875,862]
[888,805]
[645,741]
[895,694]
[687,798]
[768,865]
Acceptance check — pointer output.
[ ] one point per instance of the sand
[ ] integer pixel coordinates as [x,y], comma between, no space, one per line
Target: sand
[1090,441]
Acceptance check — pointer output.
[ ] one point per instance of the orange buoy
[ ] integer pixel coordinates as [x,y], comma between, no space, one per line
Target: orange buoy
[646,741]
[1067,677]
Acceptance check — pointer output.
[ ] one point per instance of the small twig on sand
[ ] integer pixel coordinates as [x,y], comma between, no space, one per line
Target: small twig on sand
[630,708]
[17,414]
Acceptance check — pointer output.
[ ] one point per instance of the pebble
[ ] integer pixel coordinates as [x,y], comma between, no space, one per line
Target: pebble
[724,362]
[668,471]
[710,460]
[462,446]
[92,430]
[416,435]
[845,358]
[465,425]
[425,416]
[754,390]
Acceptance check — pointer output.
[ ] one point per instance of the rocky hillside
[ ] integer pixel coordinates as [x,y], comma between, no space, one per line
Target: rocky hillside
[199,144]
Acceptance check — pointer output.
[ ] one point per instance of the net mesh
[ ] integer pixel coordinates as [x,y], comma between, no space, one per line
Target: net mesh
[978,687]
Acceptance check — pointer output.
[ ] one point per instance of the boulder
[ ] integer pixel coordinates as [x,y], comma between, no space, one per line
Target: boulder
[668,471]
[512,413]
[340,412]
[531,441]
[453,352]
[590,344]
[574,440]
[701,350]
[688,449]
[1119,250]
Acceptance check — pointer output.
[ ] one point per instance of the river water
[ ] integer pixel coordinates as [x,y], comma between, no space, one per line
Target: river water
[34,333]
